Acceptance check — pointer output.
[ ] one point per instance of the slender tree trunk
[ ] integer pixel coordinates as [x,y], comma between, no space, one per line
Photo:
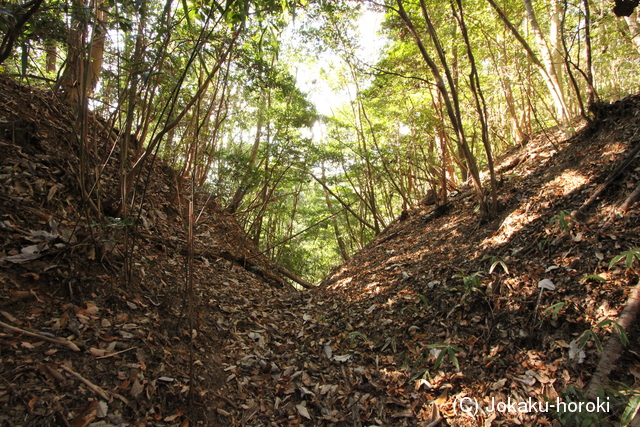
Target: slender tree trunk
[334,222]
[14,31]
[544,67]
[453,108]
[173,121]
[554,81]
[557,10]
[242,188]
[593,95]
[568,63]
[96,53]
[133,79]
[51,51]
[441,140]
[481,105]
[633,22]
[516,129]
[69,81]
[81,72]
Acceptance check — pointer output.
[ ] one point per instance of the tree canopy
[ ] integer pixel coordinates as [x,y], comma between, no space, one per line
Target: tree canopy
[213,87]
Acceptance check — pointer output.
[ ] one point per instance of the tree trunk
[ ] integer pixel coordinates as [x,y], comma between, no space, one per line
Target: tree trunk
[553,78]
[545,69]
[451,103]
[242,188]
[78,81]
[51,51]
[14,31]
[96,55]
[481,105]
[334,222]
[633,22]
[593,95]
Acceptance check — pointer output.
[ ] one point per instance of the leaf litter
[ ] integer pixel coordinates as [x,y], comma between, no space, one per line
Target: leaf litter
[419,320]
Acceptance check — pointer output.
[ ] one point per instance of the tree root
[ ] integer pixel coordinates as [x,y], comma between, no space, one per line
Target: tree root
[613,349]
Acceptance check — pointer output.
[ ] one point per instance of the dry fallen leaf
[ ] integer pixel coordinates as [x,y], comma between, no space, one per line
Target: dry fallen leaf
[302,410]
[136,389]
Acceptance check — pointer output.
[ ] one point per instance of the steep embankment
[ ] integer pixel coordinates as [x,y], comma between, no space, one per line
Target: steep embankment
[105,348]
[355,351]
[438,278]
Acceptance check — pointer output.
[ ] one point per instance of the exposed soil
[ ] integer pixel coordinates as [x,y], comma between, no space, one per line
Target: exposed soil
[360,349]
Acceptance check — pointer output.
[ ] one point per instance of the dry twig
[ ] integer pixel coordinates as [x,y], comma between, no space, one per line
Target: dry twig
[94,388]
[58,341]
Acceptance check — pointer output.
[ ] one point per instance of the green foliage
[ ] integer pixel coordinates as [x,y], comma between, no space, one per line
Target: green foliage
[424,300]
[555,308]
[561,220]
[625,401]
[586,336]
[470,282]
[594,277]
[631,409]
[574,398]
[111,222]
[382,150]
[445,350]
[591,335]
[415,309]
[630,256]
[622,334]
[355,336]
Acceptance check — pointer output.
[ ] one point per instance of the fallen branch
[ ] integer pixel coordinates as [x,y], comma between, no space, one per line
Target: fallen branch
[94,388]
[226,399]
[58,341]
[106,356]
[613,349]
[108,396]
[612,177]
[633,197]
[299,280]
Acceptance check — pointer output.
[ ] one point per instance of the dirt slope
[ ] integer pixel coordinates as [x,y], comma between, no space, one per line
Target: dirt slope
[355,351]
[438,277]
[61,277]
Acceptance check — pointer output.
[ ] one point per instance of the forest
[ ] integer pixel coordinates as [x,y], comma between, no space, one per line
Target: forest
[212,88]
[349,212]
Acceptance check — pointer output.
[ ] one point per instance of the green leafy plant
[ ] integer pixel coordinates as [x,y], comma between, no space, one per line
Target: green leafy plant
[590,335]
[622,334]
[555,308]
[445,350]
[594,277]
[471,282]
[631,409]
[355,335]
[586,336]
[630,256]
[575,398]
[561,220]
[625,400]
[424,300]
